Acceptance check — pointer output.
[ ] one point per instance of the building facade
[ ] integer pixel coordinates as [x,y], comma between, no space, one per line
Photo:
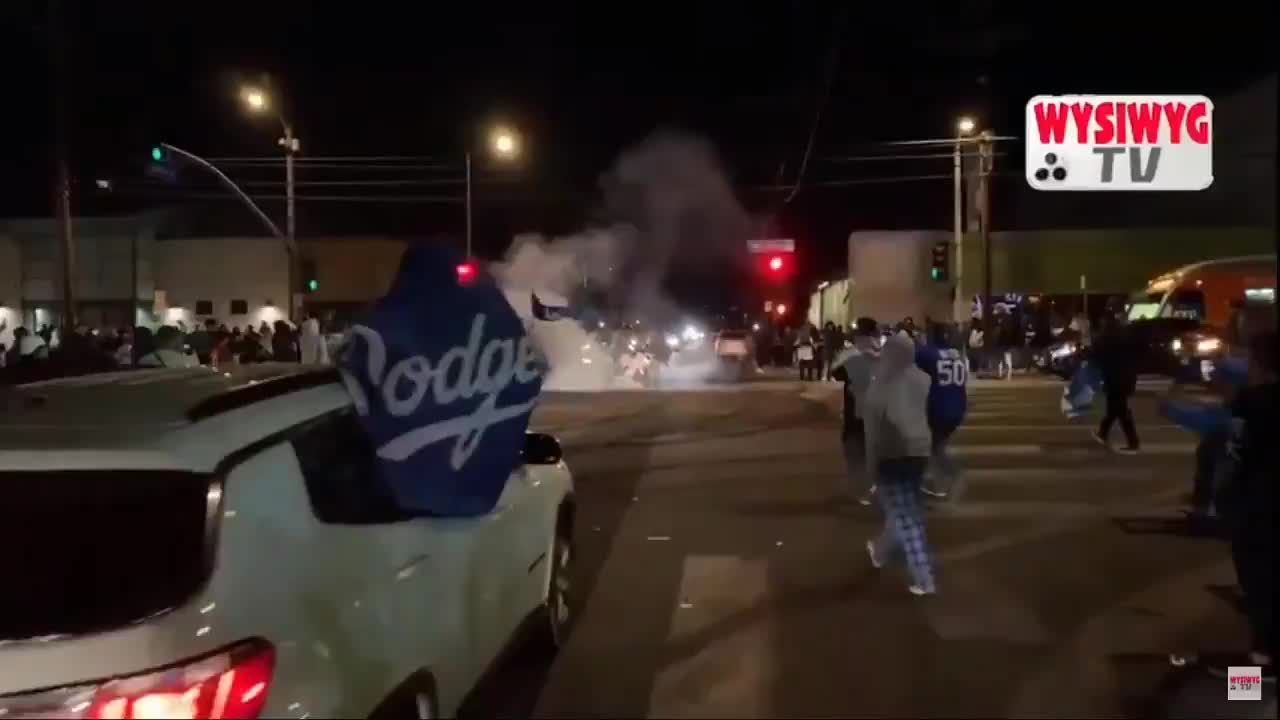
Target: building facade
[129,273]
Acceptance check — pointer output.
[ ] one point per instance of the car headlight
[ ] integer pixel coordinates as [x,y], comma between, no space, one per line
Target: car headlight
[1062,351]
[673,341]
[1208,345]
[1176,345]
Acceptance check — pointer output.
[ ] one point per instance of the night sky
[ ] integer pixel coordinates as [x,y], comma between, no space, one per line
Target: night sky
[581,83]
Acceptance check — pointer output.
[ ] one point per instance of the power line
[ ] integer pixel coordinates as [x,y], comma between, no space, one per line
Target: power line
[877,181]
[307,163]
[833,63]
[335,158]
[872,158]
[425,199]
[355,183]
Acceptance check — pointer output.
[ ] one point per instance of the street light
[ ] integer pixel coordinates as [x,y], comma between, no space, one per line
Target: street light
[504,144]
[965,125]
[257,101]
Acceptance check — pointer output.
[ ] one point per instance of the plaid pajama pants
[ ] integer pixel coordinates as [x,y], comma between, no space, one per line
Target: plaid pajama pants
[904,519]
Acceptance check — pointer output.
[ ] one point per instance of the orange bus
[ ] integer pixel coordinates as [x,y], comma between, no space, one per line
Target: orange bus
[1208,292]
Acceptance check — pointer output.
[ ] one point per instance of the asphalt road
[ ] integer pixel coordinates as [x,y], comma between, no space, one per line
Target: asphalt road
[721,569]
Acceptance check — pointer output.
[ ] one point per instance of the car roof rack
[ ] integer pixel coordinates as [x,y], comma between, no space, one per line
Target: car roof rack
[258,391]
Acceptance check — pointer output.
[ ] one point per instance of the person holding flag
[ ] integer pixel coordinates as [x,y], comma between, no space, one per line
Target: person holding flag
[948,399]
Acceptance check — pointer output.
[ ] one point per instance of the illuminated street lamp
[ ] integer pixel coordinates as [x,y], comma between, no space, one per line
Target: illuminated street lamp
[257,101]
[504,144]
[965,125]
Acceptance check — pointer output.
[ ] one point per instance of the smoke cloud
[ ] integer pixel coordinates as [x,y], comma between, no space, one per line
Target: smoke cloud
[665,200]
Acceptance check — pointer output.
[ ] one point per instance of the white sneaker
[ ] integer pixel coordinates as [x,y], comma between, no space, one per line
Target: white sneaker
[919,591]
[871,553]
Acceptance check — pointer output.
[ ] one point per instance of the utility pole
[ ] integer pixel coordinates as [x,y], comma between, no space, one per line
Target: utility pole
[468,161]
[62,191]
[291,145]
[987,164]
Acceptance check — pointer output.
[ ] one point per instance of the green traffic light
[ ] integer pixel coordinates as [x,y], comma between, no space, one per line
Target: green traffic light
[157,153]
[313,285]
[936,273]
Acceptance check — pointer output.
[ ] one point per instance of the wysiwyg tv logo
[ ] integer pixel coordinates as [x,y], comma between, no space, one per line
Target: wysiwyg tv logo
[1119,142]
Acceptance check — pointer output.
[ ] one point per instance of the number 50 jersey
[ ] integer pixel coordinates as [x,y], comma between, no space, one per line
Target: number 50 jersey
[948,374]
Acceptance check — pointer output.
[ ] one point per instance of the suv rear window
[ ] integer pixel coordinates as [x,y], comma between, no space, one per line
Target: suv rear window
[86,551]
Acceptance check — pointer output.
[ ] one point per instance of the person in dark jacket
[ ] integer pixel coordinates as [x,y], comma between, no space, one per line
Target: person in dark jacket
[1116,356]
[284,343]
[1248,498]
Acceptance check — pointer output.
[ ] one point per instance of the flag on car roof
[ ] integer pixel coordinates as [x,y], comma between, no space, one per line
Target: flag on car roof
[444,378]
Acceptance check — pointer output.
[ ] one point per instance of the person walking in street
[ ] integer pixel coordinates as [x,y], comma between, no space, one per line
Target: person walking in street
[1116,356]
[948,377]
[895,416]
[855,368]
[805,354]
[1249,499]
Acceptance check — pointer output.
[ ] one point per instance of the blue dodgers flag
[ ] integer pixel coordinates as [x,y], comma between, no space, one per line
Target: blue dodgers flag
[550,312]
[444,379]
[1078,397]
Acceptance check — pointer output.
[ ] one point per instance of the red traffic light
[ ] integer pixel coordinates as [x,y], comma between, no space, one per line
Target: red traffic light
[775,263]
[466,272]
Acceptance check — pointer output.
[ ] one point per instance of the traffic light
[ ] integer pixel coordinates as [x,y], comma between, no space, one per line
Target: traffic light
[940,270]
[159,154]
[776,264]
[310,282]
[466,273]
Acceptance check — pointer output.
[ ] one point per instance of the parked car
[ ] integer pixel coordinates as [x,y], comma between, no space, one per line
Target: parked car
[197,543]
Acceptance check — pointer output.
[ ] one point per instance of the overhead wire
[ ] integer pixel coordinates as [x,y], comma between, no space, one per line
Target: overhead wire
[833,63]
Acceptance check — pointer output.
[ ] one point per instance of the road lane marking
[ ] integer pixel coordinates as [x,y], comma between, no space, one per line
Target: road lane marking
[972,450]
[968,607]
[715,674]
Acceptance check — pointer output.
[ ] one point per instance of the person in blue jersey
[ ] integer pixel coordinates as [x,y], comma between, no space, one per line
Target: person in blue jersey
[948,400]
[1212,420]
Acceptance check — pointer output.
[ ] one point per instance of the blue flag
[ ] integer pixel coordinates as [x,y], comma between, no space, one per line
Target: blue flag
[550,312]
[444,379]
[1078,397]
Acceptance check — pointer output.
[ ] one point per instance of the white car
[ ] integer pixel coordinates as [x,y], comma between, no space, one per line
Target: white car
[193,543]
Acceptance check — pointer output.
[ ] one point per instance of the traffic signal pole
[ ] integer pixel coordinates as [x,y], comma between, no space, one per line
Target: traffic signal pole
[959,306]
[987,159]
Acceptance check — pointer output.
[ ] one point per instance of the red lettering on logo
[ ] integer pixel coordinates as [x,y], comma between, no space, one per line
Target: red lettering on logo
[1144,120]
[1198,123]
[1081,112]
[1051,122]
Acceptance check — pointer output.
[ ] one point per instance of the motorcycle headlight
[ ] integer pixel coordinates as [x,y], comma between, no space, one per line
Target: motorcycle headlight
[1176,345]
[1208,345]
[1062,351]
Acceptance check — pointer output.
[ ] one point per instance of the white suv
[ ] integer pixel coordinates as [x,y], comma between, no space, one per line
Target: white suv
[200,544]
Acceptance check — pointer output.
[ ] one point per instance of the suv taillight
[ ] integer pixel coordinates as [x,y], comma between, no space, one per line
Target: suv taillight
[230,684]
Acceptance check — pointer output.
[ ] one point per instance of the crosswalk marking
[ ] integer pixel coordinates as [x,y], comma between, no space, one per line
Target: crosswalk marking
[1045,428]
[732,677]
[1012,476]
[972,450]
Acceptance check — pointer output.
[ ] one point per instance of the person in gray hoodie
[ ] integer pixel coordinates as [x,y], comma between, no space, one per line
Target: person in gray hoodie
[854,367]
[899,444]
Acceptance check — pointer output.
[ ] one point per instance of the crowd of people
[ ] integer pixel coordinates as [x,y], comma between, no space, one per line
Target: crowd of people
[905,396]
[50,353]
